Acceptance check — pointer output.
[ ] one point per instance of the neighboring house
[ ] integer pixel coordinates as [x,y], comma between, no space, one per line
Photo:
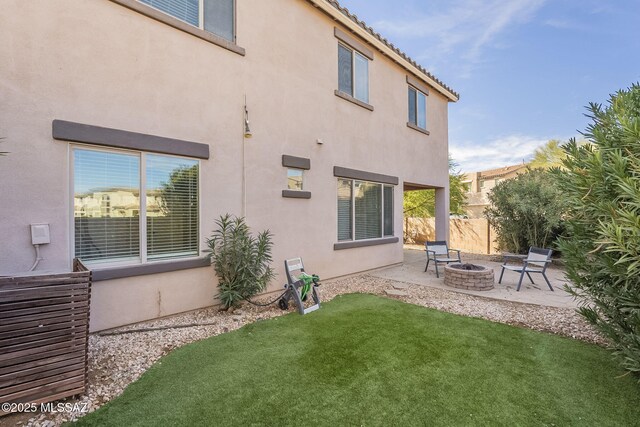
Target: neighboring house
[479,184]
[128,123]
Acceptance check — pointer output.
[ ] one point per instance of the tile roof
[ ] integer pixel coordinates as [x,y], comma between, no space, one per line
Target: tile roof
[390,45]
[502,171]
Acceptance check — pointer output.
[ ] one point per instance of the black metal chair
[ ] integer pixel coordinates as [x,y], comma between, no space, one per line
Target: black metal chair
[438,251]
[536,261]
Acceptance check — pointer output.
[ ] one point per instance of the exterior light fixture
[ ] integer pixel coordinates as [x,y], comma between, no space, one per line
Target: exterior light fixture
[247,130]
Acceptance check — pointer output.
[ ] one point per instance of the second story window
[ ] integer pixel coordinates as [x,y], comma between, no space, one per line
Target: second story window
[417,108]
[214,16]
[353,73]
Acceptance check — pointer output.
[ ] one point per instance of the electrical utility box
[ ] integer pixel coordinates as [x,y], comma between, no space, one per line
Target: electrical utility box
[40,234]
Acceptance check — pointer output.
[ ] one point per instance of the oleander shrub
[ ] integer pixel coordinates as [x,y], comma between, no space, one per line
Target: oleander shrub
[241,261]
[601,185]
[526,211]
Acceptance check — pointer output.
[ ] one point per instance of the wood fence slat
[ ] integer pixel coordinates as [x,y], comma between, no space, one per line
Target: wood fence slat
[45,315]
[44,295]
[9,314]
[53,357]
[42,283]
[39,336]
[7,360]
[48,397]
[40,344]
[52,363]
[43,322]
[73,324]
[56,386]
[9,306]
[42,381]
[12,295]
[33,280]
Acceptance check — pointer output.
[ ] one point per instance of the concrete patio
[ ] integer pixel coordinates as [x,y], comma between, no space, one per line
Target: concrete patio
[412,271]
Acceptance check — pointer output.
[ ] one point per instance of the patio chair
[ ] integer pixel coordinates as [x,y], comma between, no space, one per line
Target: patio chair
[438,251]
[536,261]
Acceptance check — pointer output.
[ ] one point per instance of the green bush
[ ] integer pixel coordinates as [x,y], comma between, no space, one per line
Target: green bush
[240,260]
[602,249]
[526,211]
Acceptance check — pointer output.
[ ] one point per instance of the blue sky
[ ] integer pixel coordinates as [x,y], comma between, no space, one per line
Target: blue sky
[525,69]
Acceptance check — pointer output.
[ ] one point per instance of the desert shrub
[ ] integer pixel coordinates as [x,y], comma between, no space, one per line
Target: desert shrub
[526,211]
[601,184]
[241,261]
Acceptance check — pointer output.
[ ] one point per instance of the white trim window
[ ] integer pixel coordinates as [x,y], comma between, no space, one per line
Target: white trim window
[417,108]
[365,210]
[214,16]
[353,73]
[131,207]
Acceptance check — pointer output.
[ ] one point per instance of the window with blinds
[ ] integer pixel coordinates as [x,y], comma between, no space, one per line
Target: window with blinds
[365,210]
[218,16]
[345,212]
[185,10]
[388,210]
[106,206]
[114,221]
[171,207]
[345,67]
[368,210]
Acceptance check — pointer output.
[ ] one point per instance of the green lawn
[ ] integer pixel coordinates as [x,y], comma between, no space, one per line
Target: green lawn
[366,360]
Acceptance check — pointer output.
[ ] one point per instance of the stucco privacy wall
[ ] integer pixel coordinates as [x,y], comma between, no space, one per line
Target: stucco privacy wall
[474,236]
[102,64]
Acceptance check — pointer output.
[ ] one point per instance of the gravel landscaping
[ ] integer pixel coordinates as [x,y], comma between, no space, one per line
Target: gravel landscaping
[116,360]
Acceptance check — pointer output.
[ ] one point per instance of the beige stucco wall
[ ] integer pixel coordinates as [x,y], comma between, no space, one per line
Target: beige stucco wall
[102,64]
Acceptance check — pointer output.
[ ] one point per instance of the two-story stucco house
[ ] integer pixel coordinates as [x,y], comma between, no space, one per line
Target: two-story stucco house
[479,184]
[132,125]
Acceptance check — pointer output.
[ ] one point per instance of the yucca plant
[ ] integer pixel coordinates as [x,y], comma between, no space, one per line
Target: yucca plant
[601,184]
[241,261]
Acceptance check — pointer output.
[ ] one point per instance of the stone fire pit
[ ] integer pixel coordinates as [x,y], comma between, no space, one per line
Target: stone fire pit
[468,276]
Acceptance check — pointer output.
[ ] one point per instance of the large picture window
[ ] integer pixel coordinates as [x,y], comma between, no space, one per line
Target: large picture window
[353,73]
[365,210]
[214,16]
[134,207]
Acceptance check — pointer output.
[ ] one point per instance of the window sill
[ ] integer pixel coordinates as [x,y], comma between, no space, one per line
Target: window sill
[152,13]
[419,129]
[362,243]
[296,194]
[353,100]
[149,268]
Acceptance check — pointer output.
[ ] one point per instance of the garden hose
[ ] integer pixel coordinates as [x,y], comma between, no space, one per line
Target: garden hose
[266,304]
[307,281]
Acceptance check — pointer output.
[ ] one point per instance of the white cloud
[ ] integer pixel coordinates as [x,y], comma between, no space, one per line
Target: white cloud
[463,28]
[504,151]
[562,24]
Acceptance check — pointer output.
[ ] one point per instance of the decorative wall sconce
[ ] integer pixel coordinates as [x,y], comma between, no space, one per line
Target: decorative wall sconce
[247,129]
